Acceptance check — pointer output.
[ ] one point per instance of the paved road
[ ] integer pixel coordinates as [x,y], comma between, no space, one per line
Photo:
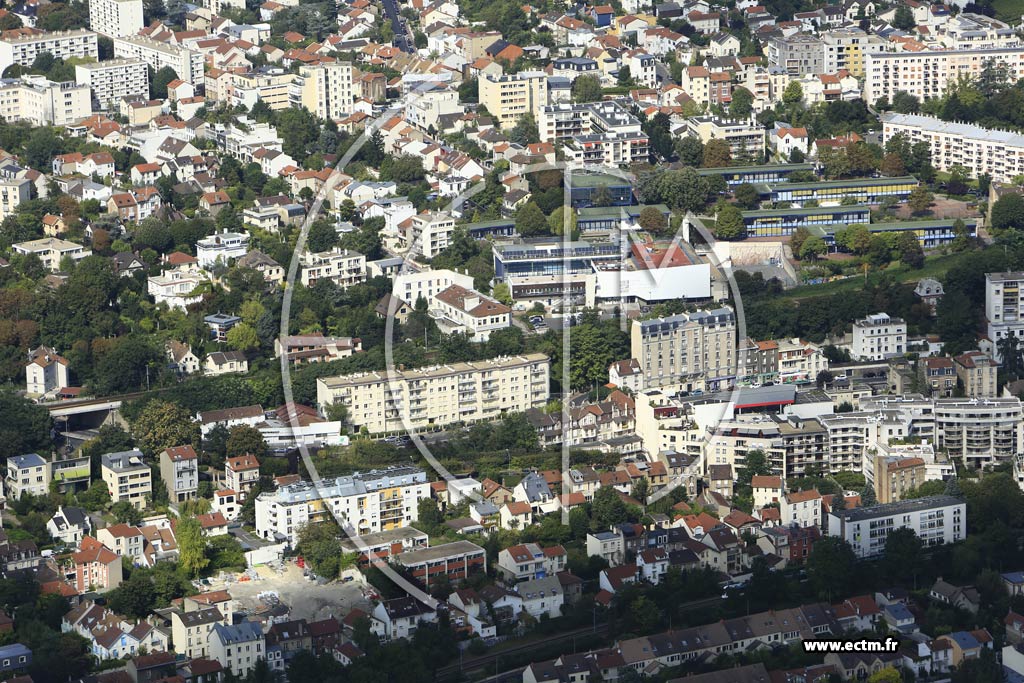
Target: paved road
[402,40]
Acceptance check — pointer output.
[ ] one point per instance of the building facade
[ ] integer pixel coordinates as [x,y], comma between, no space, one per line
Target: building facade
[688,349]
[936,520]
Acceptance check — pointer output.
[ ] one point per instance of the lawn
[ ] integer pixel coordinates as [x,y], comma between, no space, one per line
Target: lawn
[1009,10]
[934,267]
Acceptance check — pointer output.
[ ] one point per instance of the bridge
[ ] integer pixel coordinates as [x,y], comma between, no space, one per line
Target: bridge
[64,411]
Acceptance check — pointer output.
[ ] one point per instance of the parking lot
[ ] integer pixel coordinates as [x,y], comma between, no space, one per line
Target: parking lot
[307,599]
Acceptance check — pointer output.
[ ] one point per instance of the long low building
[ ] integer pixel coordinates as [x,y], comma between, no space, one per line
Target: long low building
[833,192]
[930,233]
[937,520]
[783,222]
[450,562]
[765,173]
[1000,153]
[431,397]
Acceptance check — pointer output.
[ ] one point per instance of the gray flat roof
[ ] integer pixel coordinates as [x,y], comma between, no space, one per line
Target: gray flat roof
[899,508]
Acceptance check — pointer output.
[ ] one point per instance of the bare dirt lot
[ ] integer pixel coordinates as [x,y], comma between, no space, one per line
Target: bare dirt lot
[307,599]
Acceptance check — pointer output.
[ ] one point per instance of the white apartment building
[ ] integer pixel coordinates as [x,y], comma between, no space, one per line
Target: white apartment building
[176,288]
[368,502]
[13,191]
[47,371]
[23,49]
[801,508]
[221,246]
[127,477]
[441,394]
[429,234]
[345,268]
[980,431]
[187,64]
[44,103]
[325,89]
[29,473]
[969,30]
[426,284]
[1004,305]
[116,18]
[744,138]
[426,110]
[1000,153]
[928,73]
[191,630]
[878,337]
[567,120]
[51,250]
[113,79]
[238,647]
[509,96]
[936,520]
[458,309]
[241,474]
[271,86]
[686,349]
[800,360]
[179,469]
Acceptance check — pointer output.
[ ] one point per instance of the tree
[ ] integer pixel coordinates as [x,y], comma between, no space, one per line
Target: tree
[191,547]
[867,496]
[742,103]
[690,150]
[243,439]
[525,131]
[530,220]
[429,518]
[159,81]
[905,103]
[909,248]
[747,196]
[887,675]
[729,222]
[983,669]
[556,221]
[625,78]
[321,237]
[855,238]
[320,545]
[793,94]
[904,18]
[161,424]
[96,497]
[920,200]
[607,509]
[125,512]
[797,239]
[717,154]
[824,378]
[1008,213]
[25,427]
[892,165]
[812,248]
[684,190]
[242,337]
[587,89]
[651,218]
[903,555]
[755,464]
[831,568]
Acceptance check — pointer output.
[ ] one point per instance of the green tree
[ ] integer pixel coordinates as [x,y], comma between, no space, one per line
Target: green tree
[126,513]
[525,131]
[159,80]
[96,497]
[887,675]
[607,509]
[556,221]
[904,18]
[742,104]
[192,558]
[321,237]
[755,463]
[729,223]
[624,77]
[903,556]
[717,154]
[320,546]
[747,196]
[161,424]
[587,89]
[429,518]
[812,248]
[243,439]
[1008,213]
[867,496]
[909,248]
[651,218]
[530,220]
[242,337]
[831,568]
[690,150]
[25,427]
[920,200]
[793,94]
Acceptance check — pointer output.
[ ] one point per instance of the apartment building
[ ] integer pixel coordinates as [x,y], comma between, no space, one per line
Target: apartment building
[127,477]
[894,477]
[13,191]
[844,49]
[441,394]
[52,250]
[191,630]
[968,29]
[367,502]
[928,73]
[238,647]
[979,431]
[608,149]
[343,267]
[223,247]
[1004,305]
[878,337]
[179,469]
[448,562]
[507,97]
[464,310]
[116,18]
[937,520]
[426,284]
[187,64]
[429,234]
[24,47]
[325,89]
[745,139]
[686,349]
[44,103]
[29,473]
[46,371]
[977,372]
[1000,153]
[241,473]
[113,79]
[272,86]
[566,120]
[798,54]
